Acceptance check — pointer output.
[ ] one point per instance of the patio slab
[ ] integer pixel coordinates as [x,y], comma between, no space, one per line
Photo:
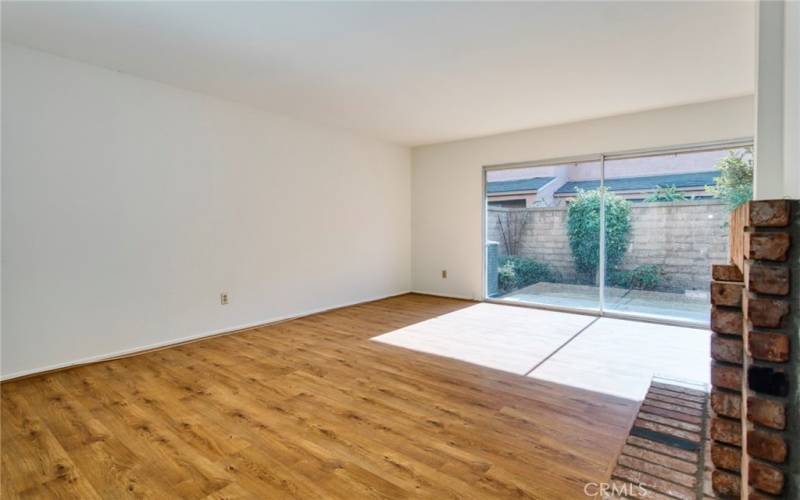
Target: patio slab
[652,303]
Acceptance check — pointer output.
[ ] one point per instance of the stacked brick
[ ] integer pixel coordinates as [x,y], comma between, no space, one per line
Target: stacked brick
[751,348]
[662,455]
[727,353]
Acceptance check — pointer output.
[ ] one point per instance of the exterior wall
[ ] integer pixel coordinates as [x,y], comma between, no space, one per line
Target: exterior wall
[684,238]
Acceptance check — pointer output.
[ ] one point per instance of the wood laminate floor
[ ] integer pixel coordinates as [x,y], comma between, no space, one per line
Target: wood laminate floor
[310,408]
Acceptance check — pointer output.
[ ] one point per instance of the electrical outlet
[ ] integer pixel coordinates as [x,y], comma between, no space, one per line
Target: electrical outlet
[223,298]
[444,274]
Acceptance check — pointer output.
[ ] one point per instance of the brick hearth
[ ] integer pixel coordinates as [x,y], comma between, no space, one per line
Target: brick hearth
[662,457]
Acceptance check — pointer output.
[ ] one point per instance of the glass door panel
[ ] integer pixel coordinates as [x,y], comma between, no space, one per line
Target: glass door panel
[543,235]
[664,229]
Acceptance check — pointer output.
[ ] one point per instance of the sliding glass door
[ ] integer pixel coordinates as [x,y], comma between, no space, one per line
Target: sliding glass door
[631,234]
[532,240]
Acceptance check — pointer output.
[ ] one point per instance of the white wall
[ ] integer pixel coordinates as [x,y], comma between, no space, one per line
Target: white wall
[128,206]
[777,144]
[446,188]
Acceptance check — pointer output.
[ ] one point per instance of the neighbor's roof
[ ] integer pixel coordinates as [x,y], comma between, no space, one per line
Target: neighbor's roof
[690,180]
[531,184]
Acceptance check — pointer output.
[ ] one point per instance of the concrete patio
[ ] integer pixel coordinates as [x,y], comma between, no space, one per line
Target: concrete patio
[692,307]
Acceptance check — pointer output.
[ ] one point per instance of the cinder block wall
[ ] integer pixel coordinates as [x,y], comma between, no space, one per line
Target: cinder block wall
[754,372]
[683,237]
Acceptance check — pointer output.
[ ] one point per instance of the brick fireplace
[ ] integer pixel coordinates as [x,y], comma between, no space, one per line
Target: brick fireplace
[754,349]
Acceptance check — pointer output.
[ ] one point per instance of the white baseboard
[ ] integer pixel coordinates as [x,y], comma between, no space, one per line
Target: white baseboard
[447,295]
[190,338]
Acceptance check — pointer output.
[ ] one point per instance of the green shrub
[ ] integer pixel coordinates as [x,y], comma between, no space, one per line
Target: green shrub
[506,277]
[666,193]
[644,277]
[583,229]
[519,272]
[734,185]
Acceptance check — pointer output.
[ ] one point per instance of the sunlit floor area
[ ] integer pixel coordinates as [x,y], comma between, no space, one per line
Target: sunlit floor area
[691,305]
[610,356]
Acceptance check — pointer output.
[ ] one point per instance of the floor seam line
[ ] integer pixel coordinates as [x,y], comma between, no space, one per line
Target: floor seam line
[540,363]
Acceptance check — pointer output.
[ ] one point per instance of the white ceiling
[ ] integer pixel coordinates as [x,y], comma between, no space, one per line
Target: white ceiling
[414,73]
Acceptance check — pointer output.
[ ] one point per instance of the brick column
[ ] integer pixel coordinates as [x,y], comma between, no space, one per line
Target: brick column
[727,325]
[767,307]
[753,373]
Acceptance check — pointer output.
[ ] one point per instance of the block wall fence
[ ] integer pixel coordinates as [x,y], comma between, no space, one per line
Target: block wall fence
[753,432]
[683,237]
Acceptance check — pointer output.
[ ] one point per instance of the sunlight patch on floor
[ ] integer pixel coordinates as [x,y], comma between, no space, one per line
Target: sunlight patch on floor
[620,357]
[610,356]
[512,339]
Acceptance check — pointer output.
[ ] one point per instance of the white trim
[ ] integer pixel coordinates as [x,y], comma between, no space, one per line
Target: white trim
[631,153]
[181,340]
[601,265]
[447,295]
[511,193]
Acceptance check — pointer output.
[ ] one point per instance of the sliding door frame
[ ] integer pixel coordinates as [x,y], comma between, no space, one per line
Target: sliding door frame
[601,158]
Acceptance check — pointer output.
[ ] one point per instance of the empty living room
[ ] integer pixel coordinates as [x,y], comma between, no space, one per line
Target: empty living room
[345,250]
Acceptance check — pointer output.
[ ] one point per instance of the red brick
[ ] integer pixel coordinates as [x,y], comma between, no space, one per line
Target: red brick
[662,448]
[726,457]
[769,346]
[769,213]
[678,395]
[678,424]
[727,321]
[658,471]
[766,446]
[767,246]
[727,377]
[726,404]
[654,483]
[773,280]
[666,429]
[728,349]
[726,272]
[646,407]
[726,484]
[660,459]
[726,431]
[765,477]
[767,312]
[755,495]
[678,403]
[726,294]
[678,388]
[671,407]
[766,412]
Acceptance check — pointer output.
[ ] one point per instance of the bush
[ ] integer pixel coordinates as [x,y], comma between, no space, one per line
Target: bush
[734,185]
[506,277]
[583,229]
[644,277]
[519,272]
[666,193]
